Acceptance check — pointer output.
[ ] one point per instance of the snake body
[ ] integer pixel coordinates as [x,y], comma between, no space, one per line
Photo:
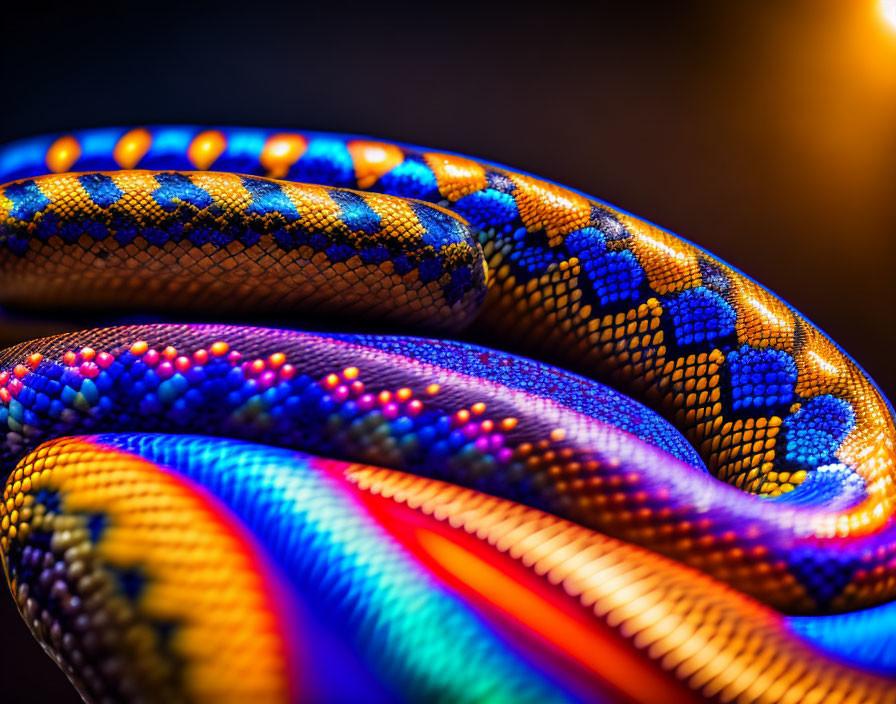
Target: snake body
[215,511]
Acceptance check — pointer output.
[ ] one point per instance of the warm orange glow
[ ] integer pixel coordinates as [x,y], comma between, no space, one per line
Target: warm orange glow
[888,8]
[63,154]
[372,160]
[205,148]
[131,148]
[280,152]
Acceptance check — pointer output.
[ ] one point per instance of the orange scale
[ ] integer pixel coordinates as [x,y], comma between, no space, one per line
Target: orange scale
[205,149]
[63,154]
[544,206]
[669,264]
[280,152]
[218,349]
[762,319]
[456,176]
[131,148]
[373,160]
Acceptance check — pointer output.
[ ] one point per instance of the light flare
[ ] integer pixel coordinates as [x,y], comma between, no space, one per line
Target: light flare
[888,10]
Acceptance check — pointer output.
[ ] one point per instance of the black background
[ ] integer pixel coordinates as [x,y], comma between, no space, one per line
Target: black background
[761,130]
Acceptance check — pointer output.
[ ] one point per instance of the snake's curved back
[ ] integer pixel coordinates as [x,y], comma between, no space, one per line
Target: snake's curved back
[777,482]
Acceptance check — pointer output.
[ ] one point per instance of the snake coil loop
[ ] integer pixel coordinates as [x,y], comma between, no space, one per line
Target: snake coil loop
[209,511]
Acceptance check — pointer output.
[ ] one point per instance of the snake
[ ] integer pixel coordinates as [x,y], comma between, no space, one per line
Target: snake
[298,416]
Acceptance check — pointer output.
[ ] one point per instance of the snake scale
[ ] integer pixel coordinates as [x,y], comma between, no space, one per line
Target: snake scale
[210,511]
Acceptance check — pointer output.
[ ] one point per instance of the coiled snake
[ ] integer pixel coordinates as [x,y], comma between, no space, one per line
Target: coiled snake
[467,524]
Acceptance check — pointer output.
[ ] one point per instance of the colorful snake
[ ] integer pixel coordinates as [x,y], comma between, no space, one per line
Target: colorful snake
[216,512]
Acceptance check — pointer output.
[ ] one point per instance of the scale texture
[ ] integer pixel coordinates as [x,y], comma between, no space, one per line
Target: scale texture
[206,511]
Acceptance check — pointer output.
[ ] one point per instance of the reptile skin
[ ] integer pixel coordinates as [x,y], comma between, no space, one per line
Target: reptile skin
[215,512]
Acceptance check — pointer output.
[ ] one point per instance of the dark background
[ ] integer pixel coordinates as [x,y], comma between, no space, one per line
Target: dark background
[761,130]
